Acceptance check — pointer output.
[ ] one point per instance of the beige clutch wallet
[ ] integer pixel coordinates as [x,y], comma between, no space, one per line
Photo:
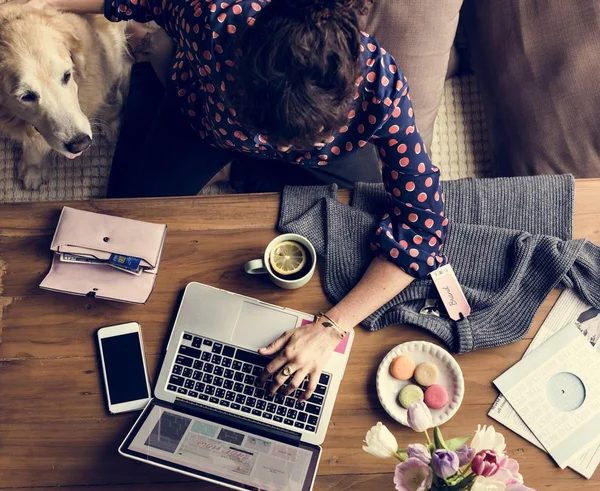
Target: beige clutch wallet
[104,256]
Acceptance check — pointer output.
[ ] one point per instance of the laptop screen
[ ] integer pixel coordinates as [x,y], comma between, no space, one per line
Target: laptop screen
[209,450]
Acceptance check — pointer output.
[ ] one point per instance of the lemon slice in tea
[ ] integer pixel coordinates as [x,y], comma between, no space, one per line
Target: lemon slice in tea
[287,258]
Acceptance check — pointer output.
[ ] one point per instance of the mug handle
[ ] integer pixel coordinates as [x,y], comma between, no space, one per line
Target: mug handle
[256,266]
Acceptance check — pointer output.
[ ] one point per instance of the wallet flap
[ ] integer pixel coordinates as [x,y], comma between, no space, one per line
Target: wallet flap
[100,235]
[100,281]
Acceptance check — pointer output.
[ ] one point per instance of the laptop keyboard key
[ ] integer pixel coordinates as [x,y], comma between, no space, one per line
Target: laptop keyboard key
[252,358]
[259,392]
[218,382]
[240,399]
[172,388]
[247,368]
[228,384]
[238,387]
[261,405]
[177,369]
[249,379]
[256,371]
[238,377]
[256,412]
[191,352]
[321,389]
[197,342]
[189,383]
[176,380]
[216,359]
[290,402]
[250,402]
[187,373]
[210,390]
[199,387]
[229,374]
[181,390]
[237,365]
[208,368]
[208,378]
[197,375]
[300,405]
[218,371]
[191,393]
[224,403]
[187,337]
[324,379]
[316,399]
[292,413]
[206,356]
[228,351]
[281,411]
[230,396]
[235,406]
[302,417]
[271,408]
[279,419]
[299,425]
[220,393]
[198,365]
[226,362]
[214,400]
[312,409]
[248,390]
[207,342]
[310,428]
[288,422]
[203,397]
[267,415]
[245,409]
[312,420]
[279,398]
[184,360]
[217,347]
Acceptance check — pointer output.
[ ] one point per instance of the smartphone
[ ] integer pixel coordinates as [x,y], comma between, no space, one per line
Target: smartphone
[124,367]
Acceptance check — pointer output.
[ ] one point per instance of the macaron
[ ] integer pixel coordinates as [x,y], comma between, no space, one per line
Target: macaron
[410,394]
[402,367]
[436,397]
[426,374]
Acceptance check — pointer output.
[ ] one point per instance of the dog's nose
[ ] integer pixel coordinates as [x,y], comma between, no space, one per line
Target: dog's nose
[78,144]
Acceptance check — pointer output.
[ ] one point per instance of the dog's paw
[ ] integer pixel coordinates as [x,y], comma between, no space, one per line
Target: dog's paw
[32,178]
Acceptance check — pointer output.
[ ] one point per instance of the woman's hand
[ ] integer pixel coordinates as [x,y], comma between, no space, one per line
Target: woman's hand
[303,351]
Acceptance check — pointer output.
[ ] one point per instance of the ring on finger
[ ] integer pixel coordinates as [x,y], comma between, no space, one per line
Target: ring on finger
[287,371]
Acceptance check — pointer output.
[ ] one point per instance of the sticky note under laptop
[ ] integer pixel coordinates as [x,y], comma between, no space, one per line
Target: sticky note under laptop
[556,391]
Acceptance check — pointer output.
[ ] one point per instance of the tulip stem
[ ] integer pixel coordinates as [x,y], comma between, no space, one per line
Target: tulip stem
[427,436]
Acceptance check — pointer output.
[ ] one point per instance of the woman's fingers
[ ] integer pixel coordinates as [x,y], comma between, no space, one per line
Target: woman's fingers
[295,382]
[276,345]
[282,377]
[311,386]
[273,367]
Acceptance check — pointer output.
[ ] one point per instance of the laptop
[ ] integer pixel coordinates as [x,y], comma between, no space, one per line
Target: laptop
[211,420]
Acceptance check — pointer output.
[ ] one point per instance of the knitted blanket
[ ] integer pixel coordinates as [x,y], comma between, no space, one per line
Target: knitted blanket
[508,242]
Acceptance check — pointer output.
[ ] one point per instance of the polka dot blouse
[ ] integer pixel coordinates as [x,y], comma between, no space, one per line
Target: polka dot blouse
[412,232]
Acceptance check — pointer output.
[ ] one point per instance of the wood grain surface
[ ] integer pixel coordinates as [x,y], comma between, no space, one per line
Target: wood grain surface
[54,426]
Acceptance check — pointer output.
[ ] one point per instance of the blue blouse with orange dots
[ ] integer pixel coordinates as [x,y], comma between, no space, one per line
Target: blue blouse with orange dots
[412,232]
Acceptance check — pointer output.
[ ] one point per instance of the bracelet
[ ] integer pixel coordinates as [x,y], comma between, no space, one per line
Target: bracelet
[331,323]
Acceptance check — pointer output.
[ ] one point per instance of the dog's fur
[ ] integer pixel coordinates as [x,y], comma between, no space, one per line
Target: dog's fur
[38,48]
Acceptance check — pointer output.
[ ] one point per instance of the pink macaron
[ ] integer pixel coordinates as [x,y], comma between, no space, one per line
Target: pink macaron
[436,396]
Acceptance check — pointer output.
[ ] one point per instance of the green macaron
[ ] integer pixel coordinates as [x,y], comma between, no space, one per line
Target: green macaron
[409,395]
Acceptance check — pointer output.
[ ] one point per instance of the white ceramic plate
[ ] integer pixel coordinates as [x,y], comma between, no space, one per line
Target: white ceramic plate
[451,378]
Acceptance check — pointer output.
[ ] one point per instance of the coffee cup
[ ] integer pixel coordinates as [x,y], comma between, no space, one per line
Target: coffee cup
[288,282]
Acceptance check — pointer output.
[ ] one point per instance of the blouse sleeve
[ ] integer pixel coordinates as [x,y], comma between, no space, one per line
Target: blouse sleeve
[140,11]
[411,234]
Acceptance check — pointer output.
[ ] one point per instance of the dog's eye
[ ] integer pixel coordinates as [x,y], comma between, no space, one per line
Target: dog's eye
[66,78]
[29,97]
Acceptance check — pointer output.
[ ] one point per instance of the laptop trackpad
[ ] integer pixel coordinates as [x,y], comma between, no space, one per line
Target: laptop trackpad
[258,325]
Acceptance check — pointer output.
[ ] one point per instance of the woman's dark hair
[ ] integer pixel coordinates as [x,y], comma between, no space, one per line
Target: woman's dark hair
[296,70]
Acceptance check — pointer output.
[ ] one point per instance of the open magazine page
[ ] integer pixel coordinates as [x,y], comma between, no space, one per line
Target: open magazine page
[219,451]
[569,309]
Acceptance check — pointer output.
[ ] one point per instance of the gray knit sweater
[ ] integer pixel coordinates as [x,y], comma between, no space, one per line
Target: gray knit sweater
[508,242]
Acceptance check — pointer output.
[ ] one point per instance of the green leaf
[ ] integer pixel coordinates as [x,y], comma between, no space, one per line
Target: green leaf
[455,443]
[439,439]
[463,485]
[403,456]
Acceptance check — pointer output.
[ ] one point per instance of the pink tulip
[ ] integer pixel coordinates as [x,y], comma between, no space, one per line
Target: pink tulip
[485,463]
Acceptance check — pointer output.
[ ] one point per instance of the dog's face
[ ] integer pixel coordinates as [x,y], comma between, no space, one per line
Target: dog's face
[39,68]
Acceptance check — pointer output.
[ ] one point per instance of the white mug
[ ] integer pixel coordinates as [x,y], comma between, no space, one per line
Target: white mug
[263,266]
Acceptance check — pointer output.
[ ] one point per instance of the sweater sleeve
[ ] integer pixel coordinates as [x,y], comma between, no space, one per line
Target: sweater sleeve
[411,234]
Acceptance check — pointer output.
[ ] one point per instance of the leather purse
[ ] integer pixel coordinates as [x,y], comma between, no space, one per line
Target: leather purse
[97,237]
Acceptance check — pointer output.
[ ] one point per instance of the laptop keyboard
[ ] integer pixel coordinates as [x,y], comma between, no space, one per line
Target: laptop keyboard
[228,376]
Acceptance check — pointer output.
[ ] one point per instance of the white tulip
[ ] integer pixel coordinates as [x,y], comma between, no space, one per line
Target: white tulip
[380,442]
[488,484]
[486,438]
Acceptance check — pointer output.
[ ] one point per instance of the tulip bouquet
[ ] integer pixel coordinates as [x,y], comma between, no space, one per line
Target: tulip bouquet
[447,465]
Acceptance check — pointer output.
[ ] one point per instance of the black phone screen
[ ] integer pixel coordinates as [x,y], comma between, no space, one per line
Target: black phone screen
[124,368]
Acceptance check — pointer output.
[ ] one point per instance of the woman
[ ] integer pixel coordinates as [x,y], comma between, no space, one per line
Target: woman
[296,94]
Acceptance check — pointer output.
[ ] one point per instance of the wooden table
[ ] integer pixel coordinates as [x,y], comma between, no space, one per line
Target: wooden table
[54,427]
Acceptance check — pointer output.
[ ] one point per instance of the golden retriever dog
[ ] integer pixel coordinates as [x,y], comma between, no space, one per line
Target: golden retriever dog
[59,73]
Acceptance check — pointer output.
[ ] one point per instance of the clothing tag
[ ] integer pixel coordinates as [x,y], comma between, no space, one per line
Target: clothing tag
[450,292]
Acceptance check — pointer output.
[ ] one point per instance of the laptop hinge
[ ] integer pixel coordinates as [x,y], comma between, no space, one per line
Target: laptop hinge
[240,422]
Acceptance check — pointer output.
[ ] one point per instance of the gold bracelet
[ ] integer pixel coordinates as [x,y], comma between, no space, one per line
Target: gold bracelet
[331,323]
